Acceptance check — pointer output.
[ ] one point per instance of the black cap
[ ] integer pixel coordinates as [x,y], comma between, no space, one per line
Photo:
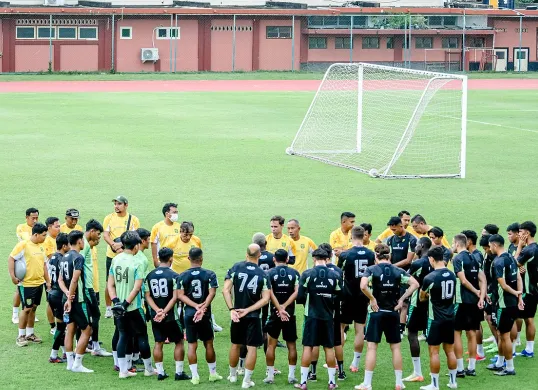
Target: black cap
[73,213]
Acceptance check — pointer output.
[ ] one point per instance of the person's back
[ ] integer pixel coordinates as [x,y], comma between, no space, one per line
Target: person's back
[125,270]
[161,284]
[196,283]
[440,285]
[249,281]
[386,280]
[317,288]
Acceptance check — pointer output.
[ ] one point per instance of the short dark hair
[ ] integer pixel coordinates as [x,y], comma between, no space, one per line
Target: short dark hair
[357,232]
[94,224]
[39,228]
[143,233]
[367,227]
[31,210]
[74,236]
[436,253]
[61,240]
[513,227]
[471,235]
[278,219]
[130,239]
[461,239]
[168,206]
[382,251]
[496,239]
[425,242]
[491,228]
[436,231]
[484,240]
[320,254]
[186,227]
[394,221]
[51,221]
[281,256]
[165,254]
[195,255]
[326,247]
[418,219]
[530,226]
[346,214]
[403,212]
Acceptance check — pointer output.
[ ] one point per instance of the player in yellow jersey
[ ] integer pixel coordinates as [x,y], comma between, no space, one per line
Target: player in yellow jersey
[114,226]
[278,240]
[422,228]
[187,241]
[367,242]
[405,216]
[24,232]
[32,253]
[53,229]
[165,234]
[340,239]
[71,222]
[303,246]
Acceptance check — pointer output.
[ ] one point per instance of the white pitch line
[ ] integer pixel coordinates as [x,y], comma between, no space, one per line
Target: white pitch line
[498,125]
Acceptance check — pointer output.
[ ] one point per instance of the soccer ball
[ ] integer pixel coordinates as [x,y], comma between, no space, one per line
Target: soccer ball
[373,173]
[20,269]
[289,151]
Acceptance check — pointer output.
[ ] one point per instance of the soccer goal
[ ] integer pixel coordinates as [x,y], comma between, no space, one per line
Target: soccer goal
[387,122]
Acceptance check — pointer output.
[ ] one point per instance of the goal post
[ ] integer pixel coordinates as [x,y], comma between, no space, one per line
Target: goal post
[387,122]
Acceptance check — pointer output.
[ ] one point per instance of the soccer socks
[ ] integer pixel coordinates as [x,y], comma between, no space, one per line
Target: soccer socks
[241,362]
[304,374]
[451,377]
[530,346]
[314,367]
[518,338]
[291,372]
[179,367]
[53,353]
[332,374]
[29,331]
[510,365]
[472,364]
[435,380]
[96,345]
[78,360]
[368,377]
[233,371]
[480,350]
[271,372]
[356,359]
[136,356]
[123,365]
[16,311]
[500,361]
[129,358]
[70,359]
[340,365]
[460,364]
[160,368]
[147,365]
[398,374]
[22,332]
[514,347]
[417,368]
[115,356]
[212,367]
[248,375]
[194,370]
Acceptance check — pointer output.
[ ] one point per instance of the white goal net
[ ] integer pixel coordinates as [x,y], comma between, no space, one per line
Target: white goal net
[387,122]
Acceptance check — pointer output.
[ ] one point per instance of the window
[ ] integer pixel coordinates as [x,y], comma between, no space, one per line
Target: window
[126,33]
[315,21]
[344,21]
[435,21]
[331,21]
[46,32]
[449,20]
[442,21]
[360,21]
[283,32]
[342,43]
[450,43]
[390,42]
[166,33]
[67,32]
[423,42]
[476,42]
[25,32]
[370,43]
[89,33]
[317,42]
[521,55]
[500,55]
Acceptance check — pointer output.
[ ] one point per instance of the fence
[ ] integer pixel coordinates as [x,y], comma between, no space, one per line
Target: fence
[242,42]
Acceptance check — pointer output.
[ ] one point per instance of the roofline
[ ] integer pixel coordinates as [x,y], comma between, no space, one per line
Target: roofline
[94,11]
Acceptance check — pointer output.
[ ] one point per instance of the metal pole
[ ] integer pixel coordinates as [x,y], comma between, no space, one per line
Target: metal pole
[112,62]
[170,43]
[359,107]
[520,37]
[410,42]
[463,43]
[292,43]
[50,44]
[463,157]
[175,46]
[233,45]
[351,40]
[405,43]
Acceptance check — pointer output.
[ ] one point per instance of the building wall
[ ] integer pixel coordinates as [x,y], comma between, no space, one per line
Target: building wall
[222,44]
[1,44]
[275,53]
[507,35]
[31,58]
[79,58]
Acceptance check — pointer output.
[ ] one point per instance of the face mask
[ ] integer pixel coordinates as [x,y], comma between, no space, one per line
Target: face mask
[174,217]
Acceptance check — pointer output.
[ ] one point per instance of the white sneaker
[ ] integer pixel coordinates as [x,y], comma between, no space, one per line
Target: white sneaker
[15,318]
[216,327]
[108,314]
[36,319]
[232,378]
[269,381]
[429,387]
[150,373]
[128,374]
[247,385]
[421,338]
[490,339]
[81,369]
[101,352]
[362,386]
[452,385]
[240,371]
[517,343]
[52,331]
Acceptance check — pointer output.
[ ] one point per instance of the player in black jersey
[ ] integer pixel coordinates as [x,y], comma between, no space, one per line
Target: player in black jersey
[284,282]
[72,283]
[470,296]
[382,284]
[160,294]
[197,289]
[508,298]
[317,288]
[55,296]
[489,311]
[437,235]
[251,291]
[512,233]
[490,229]
[439,286]
[354,303]
[527,257]
[417,320]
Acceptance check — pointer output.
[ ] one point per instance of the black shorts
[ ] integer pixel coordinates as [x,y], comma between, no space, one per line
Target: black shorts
[98,300]
[468,317]
[55,298]
[265,314]
[440,332]
[417,319]
[383,322]
[202,330]
[170,330]
[93,303]
[133,323]
[108,265]
[318,332]
[531,303]
[30,296]
[337,331]
[354,310]
[248,331]
[274,327]
[506,318]
[80,315]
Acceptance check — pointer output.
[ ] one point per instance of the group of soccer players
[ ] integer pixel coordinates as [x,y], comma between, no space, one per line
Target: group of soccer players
[408,281]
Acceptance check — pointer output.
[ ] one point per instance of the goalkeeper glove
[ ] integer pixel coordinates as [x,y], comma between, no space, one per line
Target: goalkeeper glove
[119,309]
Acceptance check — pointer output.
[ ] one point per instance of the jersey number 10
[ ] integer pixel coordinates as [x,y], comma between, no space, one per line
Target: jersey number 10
[447,289]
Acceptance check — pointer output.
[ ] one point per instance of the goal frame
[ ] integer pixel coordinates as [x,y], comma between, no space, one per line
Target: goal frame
[311,154]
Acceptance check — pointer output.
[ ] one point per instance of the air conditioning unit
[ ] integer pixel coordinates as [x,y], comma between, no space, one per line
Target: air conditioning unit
[54,3]
[149,54]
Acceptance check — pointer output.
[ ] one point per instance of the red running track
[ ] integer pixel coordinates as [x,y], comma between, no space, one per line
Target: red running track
[218,85]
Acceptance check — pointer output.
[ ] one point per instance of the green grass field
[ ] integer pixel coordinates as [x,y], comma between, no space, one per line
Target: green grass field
[221,157]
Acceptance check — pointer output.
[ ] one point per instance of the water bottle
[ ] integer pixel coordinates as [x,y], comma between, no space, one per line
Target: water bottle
[66,317]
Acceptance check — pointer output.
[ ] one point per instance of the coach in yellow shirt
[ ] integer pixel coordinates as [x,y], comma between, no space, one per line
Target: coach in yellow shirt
[165,234]
[24,230]
[303,246]
[114,226]
[186,242]
[340,239]
[367,242]
[53,229]
[71,222]
[422,228]
[32,253]
[278,240]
